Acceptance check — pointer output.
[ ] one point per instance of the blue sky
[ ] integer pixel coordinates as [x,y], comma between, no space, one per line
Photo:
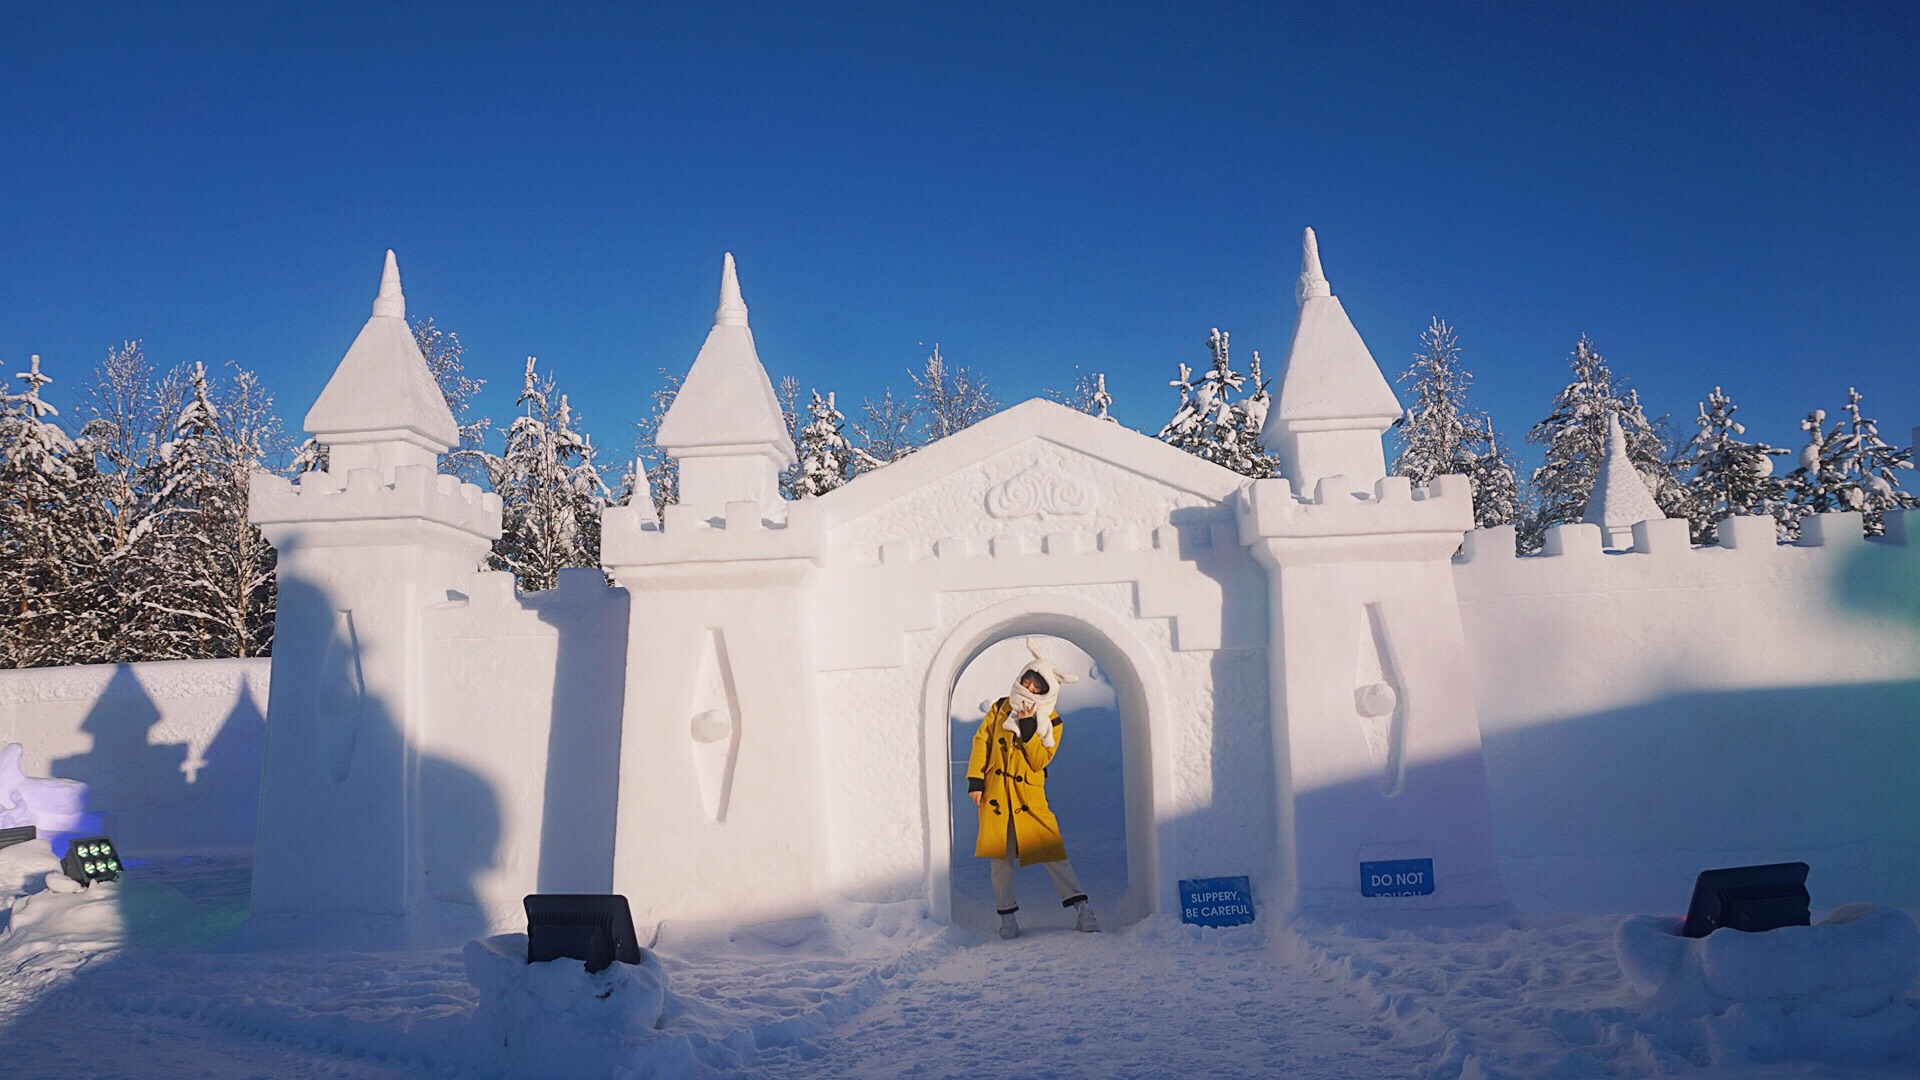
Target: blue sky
[1718,194]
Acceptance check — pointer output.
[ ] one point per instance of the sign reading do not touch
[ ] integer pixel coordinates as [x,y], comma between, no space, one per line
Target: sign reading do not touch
[1397,877]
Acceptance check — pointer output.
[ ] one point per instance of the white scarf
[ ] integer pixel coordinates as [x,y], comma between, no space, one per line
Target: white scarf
[1043,704]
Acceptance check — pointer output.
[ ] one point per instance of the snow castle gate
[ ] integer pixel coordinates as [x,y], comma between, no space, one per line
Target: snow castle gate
[1288,653]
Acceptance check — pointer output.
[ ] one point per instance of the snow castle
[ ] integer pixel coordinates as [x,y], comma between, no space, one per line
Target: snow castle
[1312,671]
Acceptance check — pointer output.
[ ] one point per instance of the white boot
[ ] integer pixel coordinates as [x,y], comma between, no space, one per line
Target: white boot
[1085,923]
[1009,927]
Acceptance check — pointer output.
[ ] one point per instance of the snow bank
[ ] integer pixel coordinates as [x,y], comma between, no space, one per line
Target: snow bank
[551,1019]
[31,867]
[1834,991]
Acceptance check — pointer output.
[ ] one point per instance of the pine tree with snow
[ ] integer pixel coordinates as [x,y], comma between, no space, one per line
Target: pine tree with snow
[1210,424]
[195,497]
[550,489]
[1848,468]
[38,517]
[826,457]
[1727,475]
[1575,437]
[1496,484]
[1439,429]
[660,471]
[1441,434]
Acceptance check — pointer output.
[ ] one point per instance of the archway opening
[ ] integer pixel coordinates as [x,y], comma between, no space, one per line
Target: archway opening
[1086,786]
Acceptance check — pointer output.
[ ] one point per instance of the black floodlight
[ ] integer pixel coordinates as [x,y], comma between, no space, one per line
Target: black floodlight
[596,928]
[1750,898]
[10,837]
[91,860]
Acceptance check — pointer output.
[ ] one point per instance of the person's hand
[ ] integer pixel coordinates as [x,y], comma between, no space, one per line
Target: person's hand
[977,796]
[1023,710]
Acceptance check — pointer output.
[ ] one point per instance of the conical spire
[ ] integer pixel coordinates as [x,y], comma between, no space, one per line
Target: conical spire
[1620,499]
[381,394]
[732,310]
[1332,403]
[1313,280]
[726,411]
[390,302]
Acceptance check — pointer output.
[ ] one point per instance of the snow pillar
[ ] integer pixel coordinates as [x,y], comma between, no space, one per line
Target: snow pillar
[362,546]
[720,806]
[720,778]
[1376,735]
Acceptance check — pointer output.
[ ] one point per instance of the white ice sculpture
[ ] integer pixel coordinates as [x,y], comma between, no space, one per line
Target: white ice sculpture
[1620,498]
[50,805]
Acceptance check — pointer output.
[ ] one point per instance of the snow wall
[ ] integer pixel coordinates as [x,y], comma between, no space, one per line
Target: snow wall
[523,701]
[170,750]
[1653,713]
[523,719]
[1645,715]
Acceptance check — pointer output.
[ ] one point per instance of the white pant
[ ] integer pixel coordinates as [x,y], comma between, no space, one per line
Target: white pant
[1001,871]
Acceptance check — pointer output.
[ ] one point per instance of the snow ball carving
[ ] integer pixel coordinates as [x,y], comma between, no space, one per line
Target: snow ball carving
[711,726]
[1038,490]
[1375,699]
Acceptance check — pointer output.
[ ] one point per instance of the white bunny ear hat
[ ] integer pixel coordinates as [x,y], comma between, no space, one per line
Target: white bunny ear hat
[1043,703]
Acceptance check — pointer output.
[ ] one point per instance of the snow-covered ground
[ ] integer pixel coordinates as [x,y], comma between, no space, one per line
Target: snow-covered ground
[146,977]
[131,979]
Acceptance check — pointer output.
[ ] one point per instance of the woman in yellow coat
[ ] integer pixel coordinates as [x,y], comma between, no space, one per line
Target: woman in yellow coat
[1006,777]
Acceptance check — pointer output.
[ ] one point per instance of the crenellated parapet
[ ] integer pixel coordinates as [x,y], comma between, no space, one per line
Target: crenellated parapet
[416,495]
[1577,558]
[633,536]
[1395,520]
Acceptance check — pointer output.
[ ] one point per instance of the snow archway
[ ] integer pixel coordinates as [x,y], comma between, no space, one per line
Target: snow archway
[1139,690]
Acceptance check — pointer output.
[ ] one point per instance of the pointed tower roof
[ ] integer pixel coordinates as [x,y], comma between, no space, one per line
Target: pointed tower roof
[727,399]
[382,390]
[1620,498]
[1329,375]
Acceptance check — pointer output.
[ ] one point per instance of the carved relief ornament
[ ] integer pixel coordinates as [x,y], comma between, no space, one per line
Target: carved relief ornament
[1040,489]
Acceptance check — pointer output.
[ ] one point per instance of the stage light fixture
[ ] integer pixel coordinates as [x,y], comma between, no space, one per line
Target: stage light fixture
[1750,898]
[10,837]
[92,859]
[595,928]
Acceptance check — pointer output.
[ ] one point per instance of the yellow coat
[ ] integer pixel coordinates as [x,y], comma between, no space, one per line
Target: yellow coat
[1014,776]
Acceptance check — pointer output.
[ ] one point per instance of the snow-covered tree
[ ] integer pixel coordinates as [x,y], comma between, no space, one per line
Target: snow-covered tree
[130,413]
[37,521]
[196,499]
[1849,467]
[1441,434]
[827,459]
[1496,485]
[1575,437]
[1089,395]
[445,358]
[886,431]
[949,397]
[551,492]
[662,471]
[1210,424]
[1725,474]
